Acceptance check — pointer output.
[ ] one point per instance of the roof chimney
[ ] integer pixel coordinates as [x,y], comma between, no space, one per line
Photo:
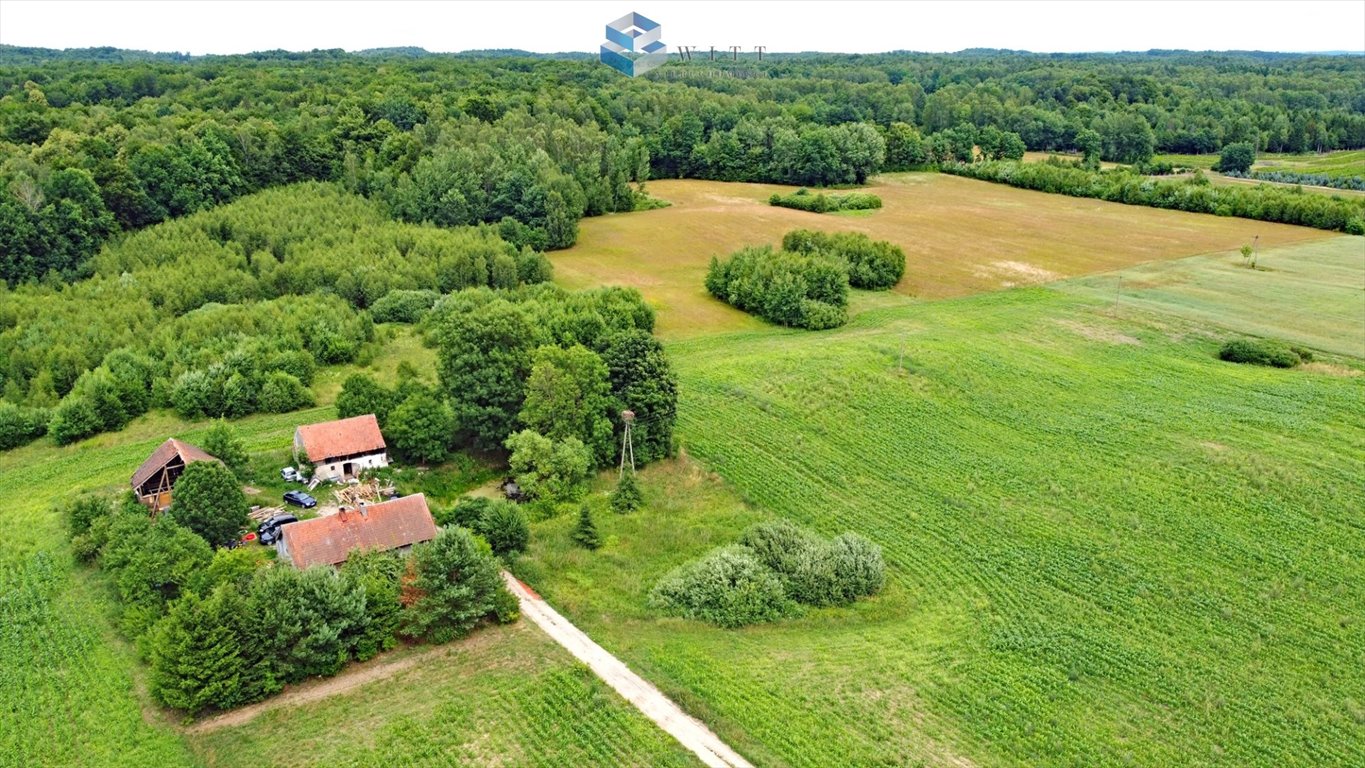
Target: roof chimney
[341,514]
[362,507]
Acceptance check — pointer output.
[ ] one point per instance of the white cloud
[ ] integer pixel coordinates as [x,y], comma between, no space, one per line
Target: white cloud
[238,27]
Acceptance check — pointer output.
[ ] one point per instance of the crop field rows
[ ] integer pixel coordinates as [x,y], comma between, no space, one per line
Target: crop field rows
[1107,547]
[508,695]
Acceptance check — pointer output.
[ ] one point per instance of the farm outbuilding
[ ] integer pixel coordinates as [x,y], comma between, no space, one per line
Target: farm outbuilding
[154,480]
[387,526]
[341,449]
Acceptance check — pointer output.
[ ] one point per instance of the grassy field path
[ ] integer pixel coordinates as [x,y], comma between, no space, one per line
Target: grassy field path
[640,692]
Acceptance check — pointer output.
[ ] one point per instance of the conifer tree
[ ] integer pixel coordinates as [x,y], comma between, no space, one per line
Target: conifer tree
[585,532]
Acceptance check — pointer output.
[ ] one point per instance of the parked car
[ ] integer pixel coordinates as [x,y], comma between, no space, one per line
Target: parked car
[270,529]
[300,499]
[291,475]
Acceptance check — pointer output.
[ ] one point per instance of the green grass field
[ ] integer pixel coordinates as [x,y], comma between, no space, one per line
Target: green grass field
[1106,546]
[507,696]
[1311,294]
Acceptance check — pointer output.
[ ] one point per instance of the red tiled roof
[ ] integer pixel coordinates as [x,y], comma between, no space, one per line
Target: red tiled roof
[384,526]
[164,453]
[344,437]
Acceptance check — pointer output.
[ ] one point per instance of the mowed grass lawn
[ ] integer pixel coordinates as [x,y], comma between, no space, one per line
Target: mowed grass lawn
[70,687]
[1311,294]
[1105,546]
[961,236]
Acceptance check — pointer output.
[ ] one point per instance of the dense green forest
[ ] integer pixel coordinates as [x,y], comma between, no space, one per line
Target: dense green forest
[97,142]
[398,170]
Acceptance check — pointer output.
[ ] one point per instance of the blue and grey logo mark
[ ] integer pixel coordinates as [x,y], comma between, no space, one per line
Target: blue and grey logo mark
[632,46]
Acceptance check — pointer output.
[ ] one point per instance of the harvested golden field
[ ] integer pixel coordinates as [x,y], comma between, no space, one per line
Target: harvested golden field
[960,237]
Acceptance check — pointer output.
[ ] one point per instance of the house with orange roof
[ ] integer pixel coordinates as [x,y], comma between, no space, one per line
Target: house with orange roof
[342,449]
[394,525]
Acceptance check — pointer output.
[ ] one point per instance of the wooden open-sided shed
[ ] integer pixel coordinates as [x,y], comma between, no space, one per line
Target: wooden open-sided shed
[153,481]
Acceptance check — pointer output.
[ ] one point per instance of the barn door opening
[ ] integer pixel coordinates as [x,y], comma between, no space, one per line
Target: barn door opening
[347,470]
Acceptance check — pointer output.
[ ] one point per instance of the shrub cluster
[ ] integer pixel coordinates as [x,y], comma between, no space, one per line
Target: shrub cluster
[815,571]
[221,629]
[729,587]
[1269,352]
[500,522]
[775,566]
[872,264]
[819,202]
[1263,202]
[792,289]
[403,306]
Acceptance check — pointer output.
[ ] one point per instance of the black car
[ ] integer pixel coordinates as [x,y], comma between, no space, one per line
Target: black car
[270,529]
[300,499]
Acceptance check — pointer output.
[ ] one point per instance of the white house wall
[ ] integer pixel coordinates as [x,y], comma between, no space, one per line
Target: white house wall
[332,470]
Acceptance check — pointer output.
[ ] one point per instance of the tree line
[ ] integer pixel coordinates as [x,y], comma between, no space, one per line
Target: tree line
[109,142]
[1286,205]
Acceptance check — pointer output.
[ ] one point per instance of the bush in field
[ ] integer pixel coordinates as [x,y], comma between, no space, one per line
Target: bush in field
[859,570]
[872,264]
[361,394]
[627,496]
[403,306]
[421,428]
[1261,352]
[548,469]
[457,584]
[1237,157]
[151,562]
[302,623]
[283,392]
[804,200]
[729,587]
[223,443]
[81,512]
[20,425]
[196,653]
[505,529]
[815,571]
[380,575]
[585,532]
[74,419]
[208,500]
[796,290]
[799,558]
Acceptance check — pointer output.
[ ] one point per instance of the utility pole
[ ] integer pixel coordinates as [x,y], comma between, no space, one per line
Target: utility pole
[1117,288]
[1255,240]
[627,445]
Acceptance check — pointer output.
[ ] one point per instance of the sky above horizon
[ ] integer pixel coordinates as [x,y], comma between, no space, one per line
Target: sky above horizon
[223,27]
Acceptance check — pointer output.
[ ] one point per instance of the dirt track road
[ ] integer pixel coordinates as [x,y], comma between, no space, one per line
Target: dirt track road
[635,689]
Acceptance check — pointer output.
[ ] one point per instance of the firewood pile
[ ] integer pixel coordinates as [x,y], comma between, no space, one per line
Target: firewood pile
[261,514]
[369,491]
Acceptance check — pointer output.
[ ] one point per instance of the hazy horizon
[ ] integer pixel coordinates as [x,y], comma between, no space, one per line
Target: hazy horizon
[235,28]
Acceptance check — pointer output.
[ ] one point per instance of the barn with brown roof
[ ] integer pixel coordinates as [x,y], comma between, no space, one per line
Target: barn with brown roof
[153,481]
[391,525]
[341,449]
